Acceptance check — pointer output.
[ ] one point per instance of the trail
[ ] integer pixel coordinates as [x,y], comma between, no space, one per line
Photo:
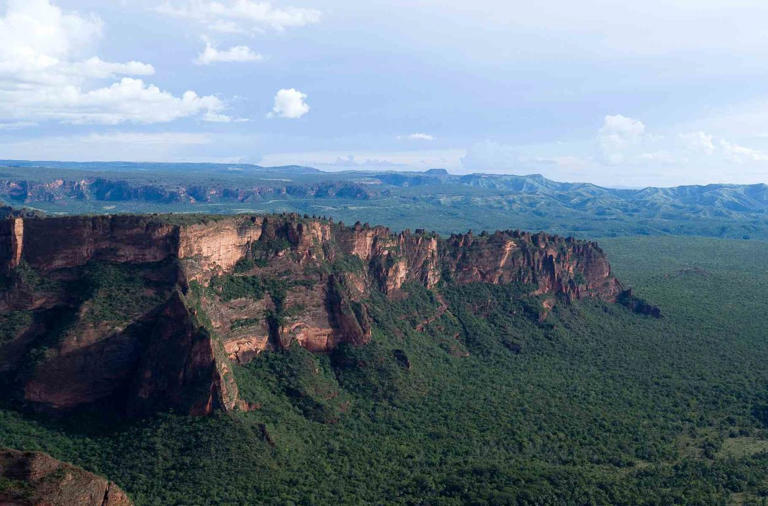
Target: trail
[440,312]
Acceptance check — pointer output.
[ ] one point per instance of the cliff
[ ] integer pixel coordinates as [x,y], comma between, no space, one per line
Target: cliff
[150,312]
[34,478]
[88,188]
[554,264]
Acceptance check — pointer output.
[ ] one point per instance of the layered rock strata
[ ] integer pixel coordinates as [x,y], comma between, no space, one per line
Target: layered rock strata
[150,312]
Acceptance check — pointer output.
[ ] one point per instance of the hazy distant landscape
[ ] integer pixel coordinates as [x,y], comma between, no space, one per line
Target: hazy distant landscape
[434,199]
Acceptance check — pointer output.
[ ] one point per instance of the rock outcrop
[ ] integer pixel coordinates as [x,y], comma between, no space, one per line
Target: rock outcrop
[23,191]
[554,264]
[150,312]
[37,479]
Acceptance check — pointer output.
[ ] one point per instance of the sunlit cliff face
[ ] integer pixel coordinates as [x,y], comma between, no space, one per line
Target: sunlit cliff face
[206,292]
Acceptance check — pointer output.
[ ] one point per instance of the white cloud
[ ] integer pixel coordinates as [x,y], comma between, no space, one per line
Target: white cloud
[96,68]
[626,153]
[128,100]
[624,140]
[746,119]
[741,154]
[44,75]
[419,137]
[239,16]
[36,28]
[698,142]
[239,54]
[289,103]
[617,134]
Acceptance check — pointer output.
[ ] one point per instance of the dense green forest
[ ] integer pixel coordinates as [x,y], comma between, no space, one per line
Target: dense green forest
[487,404]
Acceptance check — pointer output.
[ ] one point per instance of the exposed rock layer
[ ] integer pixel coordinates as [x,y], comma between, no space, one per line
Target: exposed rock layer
[555,264]
[228,288]
[37,479]
[120,190]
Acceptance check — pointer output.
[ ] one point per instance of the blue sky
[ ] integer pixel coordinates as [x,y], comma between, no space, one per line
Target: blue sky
[655,93]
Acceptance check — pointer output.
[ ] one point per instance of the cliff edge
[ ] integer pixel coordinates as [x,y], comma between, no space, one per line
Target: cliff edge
[150,312]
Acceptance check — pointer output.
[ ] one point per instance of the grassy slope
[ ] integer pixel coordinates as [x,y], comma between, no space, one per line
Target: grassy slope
[600,406]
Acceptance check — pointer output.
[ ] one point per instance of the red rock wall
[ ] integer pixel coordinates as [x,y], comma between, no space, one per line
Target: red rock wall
[181,366]
[55,243]
[549,262]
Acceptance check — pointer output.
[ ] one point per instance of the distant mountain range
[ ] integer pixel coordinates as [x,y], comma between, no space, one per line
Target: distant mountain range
[153,166]
[434,198]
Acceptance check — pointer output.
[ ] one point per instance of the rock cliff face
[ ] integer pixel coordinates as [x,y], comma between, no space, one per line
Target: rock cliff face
[23,191]
[179,367]
[150,312]
[34,478]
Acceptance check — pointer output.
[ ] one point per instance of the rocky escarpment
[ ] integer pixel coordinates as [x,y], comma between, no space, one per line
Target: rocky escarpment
[151,312]
[24,191]
[34,478]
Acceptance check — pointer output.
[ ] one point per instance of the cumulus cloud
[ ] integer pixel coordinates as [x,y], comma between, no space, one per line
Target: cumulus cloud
[235,54]
[45,76]
[128,100]
[617,134]
[419,137]
[239,16]
[624,140]
[289,103]
[698,156]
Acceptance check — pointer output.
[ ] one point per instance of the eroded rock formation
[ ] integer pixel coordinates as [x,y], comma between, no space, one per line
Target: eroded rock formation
[36,479]
[150,312]
[22,191]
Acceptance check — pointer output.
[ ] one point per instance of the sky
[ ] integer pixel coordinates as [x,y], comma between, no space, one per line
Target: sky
[624,94]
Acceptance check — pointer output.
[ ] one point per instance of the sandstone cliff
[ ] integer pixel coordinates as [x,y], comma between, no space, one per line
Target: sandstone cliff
[25,191]
[149,312]
[37,479]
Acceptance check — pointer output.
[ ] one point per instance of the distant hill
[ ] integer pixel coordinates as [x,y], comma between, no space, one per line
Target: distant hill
[433,199]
